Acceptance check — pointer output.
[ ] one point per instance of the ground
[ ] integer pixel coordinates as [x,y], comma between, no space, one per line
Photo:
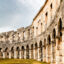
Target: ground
[19,61]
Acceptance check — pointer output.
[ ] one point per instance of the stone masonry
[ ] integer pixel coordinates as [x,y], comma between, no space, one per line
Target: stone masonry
[43,40]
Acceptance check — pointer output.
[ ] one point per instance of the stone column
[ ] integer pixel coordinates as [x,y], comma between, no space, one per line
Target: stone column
[43,52]
[20,56]
[25,52]
[52,50]
[9,54]
[38,52]
[57,51]
[34,51]
[3,55]
[29,51]
[15,54]
[46,51]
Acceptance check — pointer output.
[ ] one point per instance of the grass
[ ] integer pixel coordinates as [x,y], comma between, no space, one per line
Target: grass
[19,61]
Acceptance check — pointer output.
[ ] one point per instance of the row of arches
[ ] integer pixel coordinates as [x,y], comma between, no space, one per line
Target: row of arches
[43,50]
[21,50]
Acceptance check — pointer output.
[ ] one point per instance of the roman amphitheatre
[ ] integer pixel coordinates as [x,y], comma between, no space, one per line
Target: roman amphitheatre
[43,40]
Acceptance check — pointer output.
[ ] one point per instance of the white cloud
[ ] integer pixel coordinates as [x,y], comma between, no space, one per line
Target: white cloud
[32,3]
[25,16]
[5,29]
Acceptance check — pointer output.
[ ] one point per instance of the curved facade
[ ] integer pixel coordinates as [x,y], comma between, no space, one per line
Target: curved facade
[43,40]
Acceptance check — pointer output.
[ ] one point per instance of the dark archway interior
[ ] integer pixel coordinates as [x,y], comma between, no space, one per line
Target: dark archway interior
[45,43]
[60,27]
[49,39]
[27,51]
[6,52]
[36,47]
[22,52]
[17,49]
[12,51]
[54,33]
[0,49]
[32,51]
[41,50]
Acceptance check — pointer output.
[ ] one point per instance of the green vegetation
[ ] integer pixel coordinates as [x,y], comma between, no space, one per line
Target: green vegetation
[19,61]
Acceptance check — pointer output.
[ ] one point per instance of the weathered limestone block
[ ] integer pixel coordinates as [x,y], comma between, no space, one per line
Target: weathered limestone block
[25,53]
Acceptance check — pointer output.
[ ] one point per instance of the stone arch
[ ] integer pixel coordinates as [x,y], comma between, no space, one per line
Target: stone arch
[31,51]
[36,53]
[27,51]
[12,52]
[22,52]
[17,51]
[41,53]
[6,52]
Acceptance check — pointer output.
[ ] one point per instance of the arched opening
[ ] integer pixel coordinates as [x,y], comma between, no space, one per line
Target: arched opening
[36,54]
[32,51]
[59,46]
[6,53]
[49,40]
[44,51]
[45,43]
[17,52]
[54,35]
[49,49]
[1,55]
[60,28]
[27,52]
[12,52]
[40,50]
[22,52]
[54,46]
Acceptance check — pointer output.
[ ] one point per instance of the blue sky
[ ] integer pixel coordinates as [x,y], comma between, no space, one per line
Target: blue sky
[18,13]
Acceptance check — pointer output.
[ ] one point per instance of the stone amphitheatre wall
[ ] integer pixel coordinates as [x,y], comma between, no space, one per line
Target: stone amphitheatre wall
[43,40]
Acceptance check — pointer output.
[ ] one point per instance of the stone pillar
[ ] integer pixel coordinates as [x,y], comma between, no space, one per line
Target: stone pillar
[38,52]
[3,55]
[34,51]
[29,51]
[44,52]
[63,46]
[25,52]
[9,54]
[47,53]
[20,56]
[51,52]
[53,49]
[57,51]
[15,54]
